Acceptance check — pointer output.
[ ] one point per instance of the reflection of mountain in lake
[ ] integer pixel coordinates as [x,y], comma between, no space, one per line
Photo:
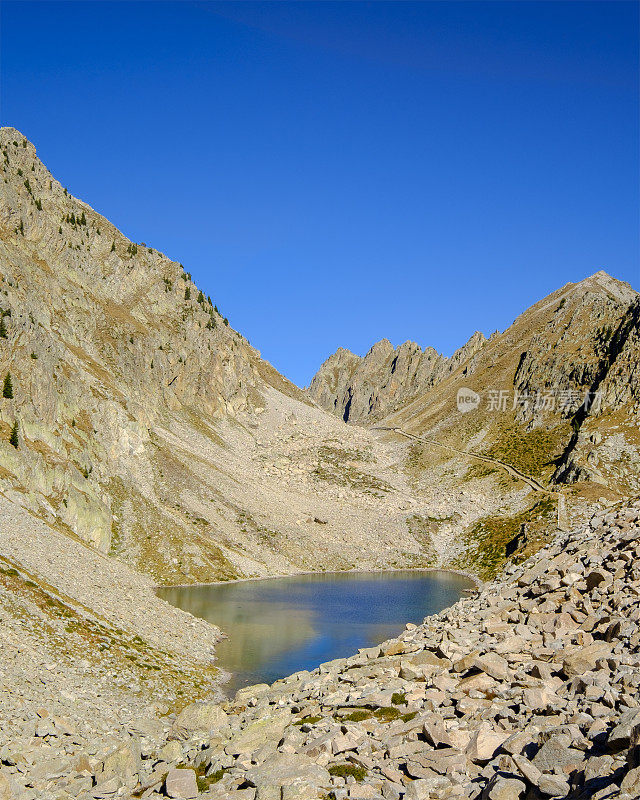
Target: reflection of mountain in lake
[283,625]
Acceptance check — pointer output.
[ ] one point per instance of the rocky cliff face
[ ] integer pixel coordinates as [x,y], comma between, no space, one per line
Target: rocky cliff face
[366,389]
[101,338]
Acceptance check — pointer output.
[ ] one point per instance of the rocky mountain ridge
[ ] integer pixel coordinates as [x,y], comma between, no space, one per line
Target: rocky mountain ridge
[365,389]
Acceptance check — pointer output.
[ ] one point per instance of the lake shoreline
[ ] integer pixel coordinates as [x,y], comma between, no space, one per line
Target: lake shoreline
[478,583]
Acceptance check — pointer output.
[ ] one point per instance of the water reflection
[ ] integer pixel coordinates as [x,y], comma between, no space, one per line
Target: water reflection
[283,625]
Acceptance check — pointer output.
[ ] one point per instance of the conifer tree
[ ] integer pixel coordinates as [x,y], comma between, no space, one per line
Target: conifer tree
[7,387]
[13,437]
[3,327]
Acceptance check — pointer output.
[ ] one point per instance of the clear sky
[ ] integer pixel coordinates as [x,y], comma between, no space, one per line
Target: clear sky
[336,173]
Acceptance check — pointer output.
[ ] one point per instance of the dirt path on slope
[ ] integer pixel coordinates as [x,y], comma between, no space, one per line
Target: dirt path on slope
[536,485]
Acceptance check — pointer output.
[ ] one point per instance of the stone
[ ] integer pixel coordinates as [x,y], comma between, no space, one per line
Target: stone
[6,792]
[493,665]
[484,743]
[633,756]
[419,790]
[256,734]
[206,717]
[248,693]
[584,659]
[505,788]
[620,736]
[556,755]
[541,699]
[292,770]
[172,751]
[123,763]
[553,786]
[630,782]
[181,783]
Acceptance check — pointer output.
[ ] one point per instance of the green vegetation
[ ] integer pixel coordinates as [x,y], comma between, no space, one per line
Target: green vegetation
[113,246]
[3,328]
[7,387]
[38,203]
[532,452]
[348,771]
[358,716]
[488,539]
[13,436]
[132,249]
[399,699]
[187,293]
[307,721]
[386,714]
[203,780]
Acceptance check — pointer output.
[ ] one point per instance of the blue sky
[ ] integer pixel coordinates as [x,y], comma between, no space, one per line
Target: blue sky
[336,173]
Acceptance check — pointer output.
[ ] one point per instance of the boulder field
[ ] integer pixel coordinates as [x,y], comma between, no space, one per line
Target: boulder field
[528,689]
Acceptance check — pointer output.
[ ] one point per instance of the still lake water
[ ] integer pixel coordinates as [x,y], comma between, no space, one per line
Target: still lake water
[282,625]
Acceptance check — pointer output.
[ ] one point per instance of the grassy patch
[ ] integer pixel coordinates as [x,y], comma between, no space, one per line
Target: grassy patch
[358,716]
[532,452]
[205,781]
[348,771]
[307,721]
[487,540]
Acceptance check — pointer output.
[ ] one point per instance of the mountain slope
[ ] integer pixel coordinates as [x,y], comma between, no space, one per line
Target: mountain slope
[524,391]
[144,441]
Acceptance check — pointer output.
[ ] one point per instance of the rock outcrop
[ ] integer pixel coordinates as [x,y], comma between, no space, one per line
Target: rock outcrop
[367,389]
